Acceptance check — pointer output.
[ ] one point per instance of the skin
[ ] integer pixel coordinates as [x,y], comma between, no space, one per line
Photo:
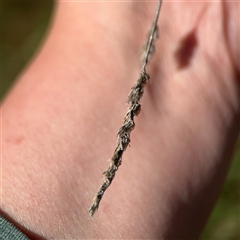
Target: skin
[59,122]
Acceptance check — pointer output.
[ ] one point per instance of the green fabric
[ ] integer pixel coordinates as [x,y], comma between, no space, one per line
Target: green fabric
[9,232]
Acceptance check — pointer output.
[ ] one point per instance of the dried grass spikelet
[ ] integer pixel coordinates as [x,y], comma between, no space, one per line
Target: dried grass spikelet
[123,135]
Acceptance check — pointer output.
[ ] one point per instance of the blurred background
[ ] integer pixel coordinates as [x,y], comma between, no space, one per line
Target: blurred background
[24,25]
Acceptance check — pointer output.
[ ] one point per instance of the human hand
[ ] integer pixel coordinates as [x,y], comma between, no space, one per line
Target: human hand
[60,122]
